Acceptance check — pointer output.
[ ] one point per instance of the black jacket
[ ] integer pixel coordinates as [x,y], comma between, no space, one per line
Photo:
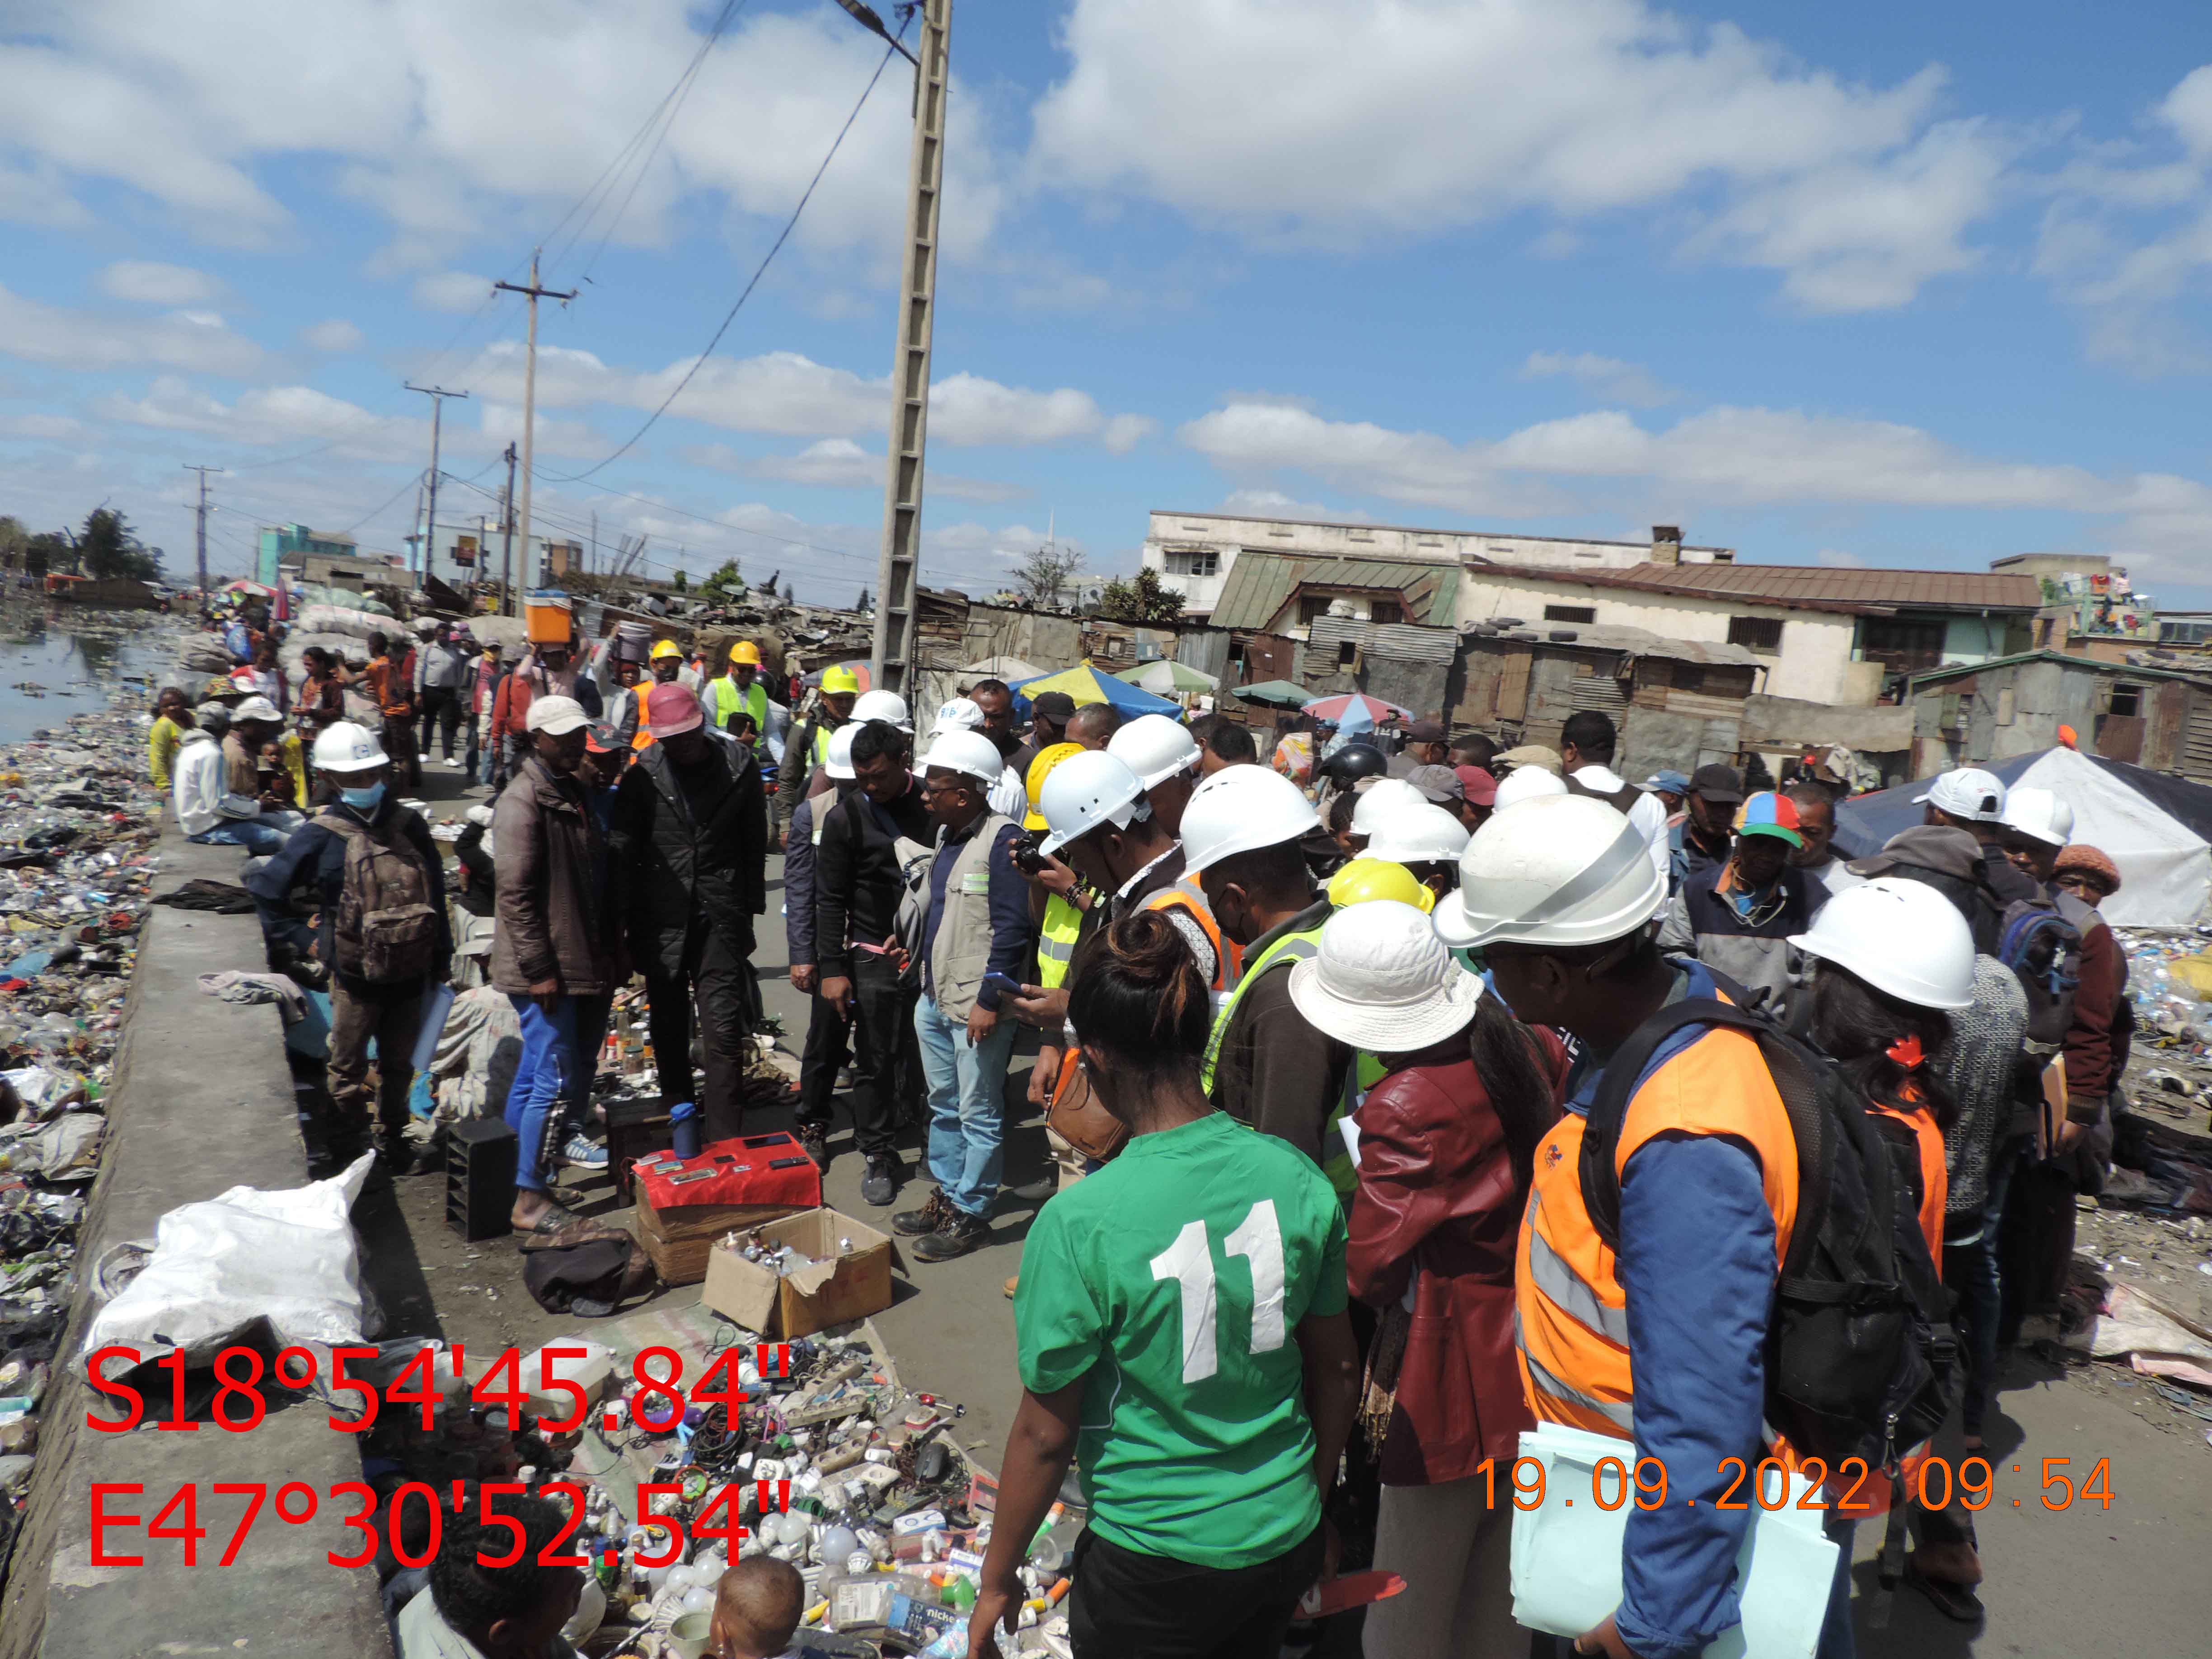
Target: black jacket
[676,870]
[314,857]
[857,883]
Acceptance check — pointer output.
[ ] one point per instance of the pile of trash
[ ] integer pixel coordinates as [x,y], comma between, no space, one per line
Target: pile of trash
[865,1492]
[2170,983]
[77,837]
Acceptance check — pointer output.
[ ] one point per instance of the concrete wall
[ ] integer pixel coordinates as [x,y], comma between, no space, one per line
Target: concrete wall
[1816,645]
[1423,687]
[202,1102]
[1227,535]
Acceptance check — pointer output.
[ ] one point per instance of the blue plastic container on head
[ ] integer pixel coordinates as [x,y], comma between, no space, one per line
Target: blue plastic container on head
[683,1121]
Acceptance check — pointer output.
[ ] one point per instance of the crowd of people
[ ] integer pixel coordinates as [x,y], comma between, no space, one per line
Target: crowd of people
[1397,1103]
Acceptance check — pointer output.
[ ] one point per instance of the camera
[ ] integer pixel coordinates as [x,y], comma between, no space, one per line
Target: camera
[1027,852]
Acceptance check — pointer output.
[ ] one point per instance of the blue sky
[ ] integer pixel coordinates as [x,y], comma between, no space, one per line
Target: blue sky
[1895,285]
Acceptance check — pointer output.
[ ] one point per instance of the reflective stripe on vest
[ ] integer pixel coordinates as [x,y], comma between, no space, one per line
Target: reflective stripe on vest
[1571,1311]
[1186,894]
[1290,949]
[1056,936]
[1366,1071]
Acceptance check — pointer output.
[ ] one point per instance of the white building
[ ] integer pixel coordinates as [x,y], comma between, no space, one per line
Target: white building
[1194,551]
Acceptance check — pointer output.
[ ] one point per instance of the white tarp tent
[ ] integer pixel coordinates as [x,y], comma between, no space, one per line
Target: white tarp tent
[2165,863]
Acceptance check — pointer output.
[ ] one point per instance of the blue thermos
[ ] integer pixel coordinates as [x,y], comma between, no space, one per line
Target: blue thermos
[683,1121]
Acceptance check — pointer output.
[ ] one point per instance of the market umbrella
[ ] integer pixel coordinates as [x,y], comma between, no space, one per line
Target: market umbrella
[1086,684]
[242,585]
[1167,678]
[1012,670]
[858,666]
[1281,694]
[1333,709]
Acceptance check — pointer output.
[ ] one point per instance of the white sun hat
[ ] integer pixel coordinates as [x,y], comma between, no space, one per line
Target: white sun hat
[1383,981]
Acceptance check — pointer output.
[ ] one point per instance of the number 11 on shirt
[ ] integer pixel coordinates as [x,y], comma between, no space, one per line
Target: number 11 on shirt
[1190,1262]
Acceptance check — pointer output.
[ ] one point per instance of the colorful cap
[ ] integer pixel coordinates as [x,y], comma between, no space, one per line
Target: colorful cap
[1769,814]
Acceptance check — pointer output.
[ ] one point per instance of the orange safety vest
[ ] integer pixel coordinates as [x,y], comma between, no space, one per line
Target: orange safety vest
[1570,1314]
[1186,894]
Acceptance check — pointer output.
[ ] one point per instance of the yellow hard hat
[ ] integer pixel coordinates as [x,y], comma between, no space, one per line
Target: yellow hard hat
[745,651]
[1365,880]
[666,649]
[1040,769]
[839,679]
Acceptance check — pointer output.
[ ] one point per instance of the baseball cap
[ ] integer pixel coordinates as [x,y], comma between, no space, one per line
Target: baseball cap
[671,710]
[1672,783]
[1437,783]
[1531,754]
[1055,706]
[1718,782]
[600,739]
[1769,814]
[1424,732]
[1937,846]
[1476,786]
[556,715]
[1966,792]
[257,709]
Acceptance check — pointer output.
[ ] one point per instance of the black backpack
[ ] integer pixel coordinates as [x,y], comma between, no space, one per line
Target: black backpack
[1860,1358]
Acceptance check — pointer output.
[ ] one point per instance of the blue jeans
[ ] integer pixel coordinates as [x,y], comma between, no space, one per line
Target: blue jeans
[550,1069]
[1971,1271]
[967,1112]
[1837,1639]
[264,837]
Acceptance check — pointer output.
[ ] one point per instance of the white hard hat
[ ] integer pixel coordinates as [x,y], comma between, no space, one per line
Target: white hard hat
[1966,792]
[257,709]
[1379,800]
[2038,813]
[838,764]
[1561,870]
[1383,981]
[1420,835]
[882,706]
[1241,809]
[968,752]
[1085,791]
[342,746]
[1527,783]
[1154,747]
[1901,937]
[961,714]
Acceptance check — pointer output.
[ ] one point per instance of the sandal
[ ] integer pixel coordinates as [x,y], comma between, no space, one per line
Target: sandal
[556,1218]
[1953,1601]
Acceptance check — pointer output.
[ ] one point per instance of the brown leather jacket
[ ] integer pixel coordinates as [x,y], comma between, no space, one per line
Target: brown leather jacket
[1437,1193]
[556,918]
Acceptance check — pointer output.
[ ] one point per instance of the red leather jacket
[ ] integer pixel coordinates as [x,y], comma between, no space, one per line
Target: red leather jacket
[1437,1192]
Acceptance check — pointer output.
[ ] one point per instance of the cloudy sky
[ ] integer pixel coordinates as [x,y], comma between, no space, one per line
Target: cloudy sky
[1886,284]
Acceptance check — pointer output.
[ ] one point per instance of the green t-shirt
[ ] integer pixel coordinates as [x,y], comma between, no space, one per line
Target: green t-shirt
[1171,1283]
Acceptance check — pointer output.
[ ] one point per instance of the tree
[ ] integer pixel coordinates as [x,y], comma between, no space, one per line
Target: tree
[109,549]
[1142,599]
[726,583]
[1046,571]
[682,584]
[13,538]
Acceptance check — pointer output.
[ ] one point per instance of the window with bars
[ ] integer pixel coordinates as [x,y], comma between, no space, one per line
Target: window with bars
[1194,562]
[1570,613]
[1385,611]
[1760,633]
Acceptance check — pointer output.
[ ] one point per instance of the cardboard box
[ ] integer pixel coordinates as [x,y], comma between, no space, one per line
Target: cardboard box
[837,1288]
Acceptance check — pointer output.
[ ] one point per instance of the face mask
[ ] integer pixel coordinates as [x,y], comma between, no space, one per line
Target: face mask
[362,801]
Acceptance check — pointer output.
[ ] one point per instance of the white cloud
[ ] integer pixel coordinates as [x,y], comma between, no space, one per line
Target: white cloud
[840,464]
[285,415]
[198,341]
[1605,377]
[1836,558]
[149,284]
[1274,504]
[335,335]
[40,427]
[1331,119]
[451,290]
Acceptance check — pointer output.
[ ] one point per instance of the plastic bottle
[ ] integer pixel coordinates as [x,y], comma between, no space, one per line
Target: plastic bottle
[683,1126]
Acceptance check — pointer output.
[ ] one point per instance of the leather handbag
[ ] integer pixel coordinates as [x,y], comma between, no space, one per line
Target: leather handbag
[1077,1116]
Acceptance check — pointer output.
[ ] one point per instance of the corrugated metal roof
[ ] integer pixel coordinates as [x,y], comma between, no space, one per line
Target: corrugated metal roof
[1399,642]
[1635,641]
[1807,587]
[2123,670]
[1259,583]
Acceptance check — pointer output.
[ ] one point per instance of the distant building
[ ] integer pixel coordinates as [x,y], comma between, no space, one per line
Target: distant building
[1195,552]
[2133,712]
[288,545]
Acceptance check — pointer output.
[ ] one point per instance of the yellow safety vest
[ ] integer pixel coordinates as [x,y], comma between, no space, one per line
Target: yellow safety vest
[728,699]
[1056,936]
[822,746]
[1364,1074]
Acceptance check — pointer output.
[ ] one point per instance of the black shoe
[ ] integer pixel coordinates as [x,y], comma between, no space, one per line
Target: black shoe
[881,1181]
[1036,1192]
[934,1213]
[960,1234]
[814,1141]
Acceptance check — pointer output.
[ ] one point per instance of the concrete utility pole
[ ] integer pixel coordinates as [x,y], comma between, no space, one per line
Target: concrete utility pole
[506,553]
[204,471]
[437,395]
[530,382]
[891,658]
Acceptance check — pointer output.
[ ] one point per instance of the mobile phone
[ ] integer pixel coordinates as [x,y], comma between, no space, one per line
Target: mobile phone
[1004,982]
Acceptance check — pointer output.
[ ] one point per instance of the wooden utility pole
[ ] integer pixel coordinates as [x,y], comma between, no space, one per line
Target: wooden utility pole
[506,553]
[530,382]
[437,395]
[204,471]
[891,658]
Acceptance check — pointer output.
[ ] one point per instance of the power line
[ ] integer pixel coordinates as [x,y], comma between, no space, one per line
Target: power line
[782,236]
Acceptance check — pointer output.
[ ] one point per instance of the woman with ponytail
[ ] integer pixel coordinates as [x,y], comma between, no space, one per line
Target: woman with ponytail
[1181,1323]
[1447,1137]
[1895,960]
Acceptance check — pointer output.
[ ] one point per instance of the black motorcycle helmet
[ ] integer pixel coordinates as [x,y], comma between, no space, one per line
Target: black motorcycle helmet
[1355,761]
